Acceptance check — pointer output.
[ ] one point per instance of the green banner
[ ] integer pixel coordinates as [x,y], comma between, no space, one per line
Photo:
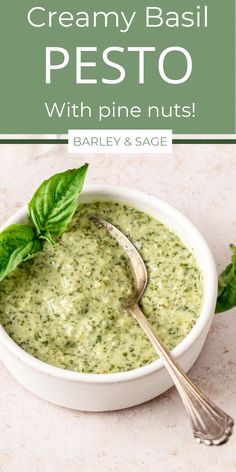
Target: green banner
[117,65]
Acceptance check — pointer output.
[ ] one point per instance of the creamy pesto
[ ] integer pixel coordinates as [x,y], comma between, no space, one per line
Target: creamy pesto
[66,305]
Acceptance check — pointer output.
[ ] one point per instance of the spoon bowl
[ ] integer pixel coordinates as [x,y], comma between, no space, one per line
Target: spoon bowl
[138,266]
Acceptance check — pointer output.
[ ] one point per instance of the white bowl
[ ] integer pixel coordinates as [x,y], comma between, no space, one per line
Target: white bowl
[104,392]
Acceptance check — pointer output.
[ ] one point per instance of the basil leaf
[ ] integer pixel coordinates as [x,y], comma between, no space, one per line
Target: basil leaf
[227,286]
[54,203]
[17,244]
[225,278]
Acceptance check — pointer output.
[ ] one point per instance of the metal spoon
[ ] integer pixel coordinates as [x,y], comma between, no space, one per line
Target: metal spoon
[210,424]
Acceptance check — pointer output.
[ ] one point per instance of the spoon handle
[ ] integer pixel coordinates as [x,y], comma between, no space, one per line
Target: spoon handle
[210,424]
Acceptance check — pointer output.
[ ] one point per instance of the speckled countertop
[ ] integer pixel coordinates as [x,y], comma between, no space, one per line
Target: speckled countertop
[38,437]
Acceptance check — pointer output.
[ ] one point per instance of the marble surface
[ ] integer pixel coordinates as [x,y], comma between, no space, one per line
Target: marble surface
[39,437]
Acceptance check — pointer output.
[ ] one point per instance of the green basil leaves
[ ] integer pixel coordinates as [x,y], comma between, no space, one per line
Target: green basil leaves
[17,244]
[50,211]
[227,285]
[54,203]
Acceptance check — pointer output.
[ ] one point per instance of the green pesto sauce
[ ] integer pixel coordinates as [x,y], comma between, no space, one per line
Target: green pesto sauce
[66,305]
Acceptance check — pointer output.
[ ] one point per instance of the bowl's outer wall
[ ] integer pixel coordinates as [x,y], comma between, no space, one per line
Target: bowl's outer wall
[95,396]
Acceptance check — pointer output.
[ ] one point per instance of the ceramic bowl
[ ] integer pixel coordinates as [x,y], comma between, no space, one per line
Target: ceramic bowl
[104,392]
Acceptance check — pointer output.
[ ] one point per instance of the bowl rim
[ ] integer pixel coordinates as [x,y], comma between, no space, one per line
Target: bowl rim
[204,319]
